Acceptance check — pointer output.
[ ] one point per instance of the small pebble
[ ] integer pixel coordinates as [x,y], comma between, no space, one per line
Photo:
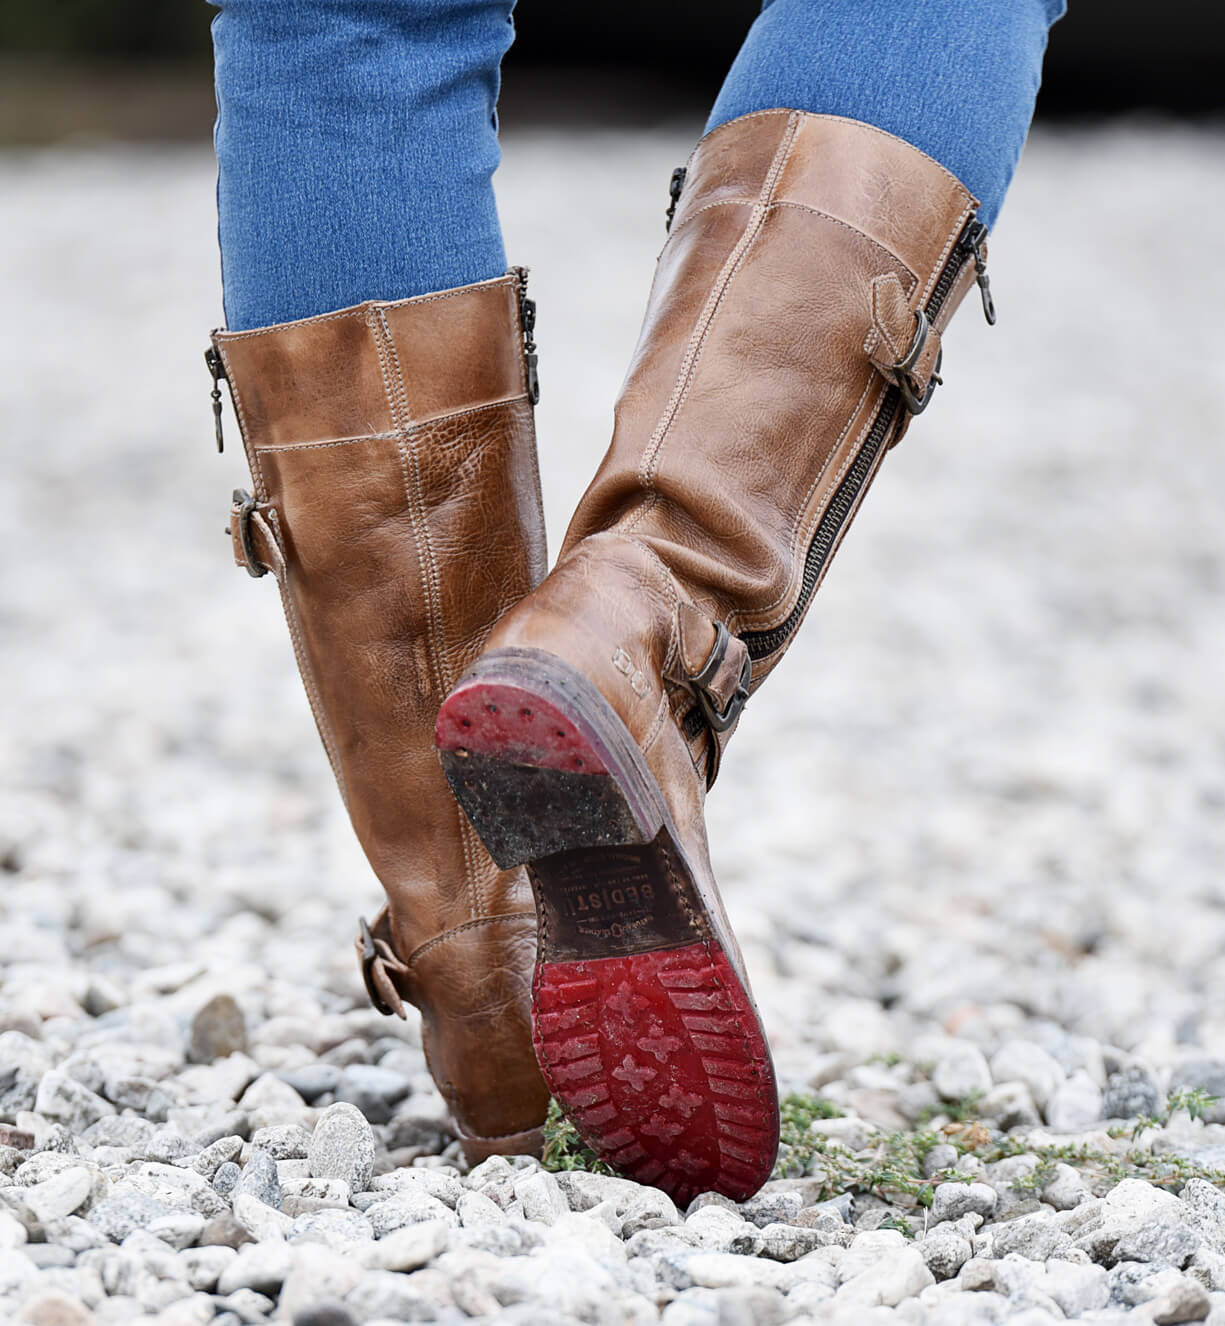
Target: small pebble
[217,1030]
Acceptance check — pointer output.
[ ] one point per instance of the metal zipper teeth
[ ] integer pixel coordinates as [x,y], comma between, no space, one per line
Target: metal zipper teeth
[527,326]
[761,644]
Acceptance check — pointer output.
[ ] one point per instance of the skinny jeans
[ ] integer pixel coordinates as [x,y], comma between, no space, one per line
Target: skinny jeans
[357,139]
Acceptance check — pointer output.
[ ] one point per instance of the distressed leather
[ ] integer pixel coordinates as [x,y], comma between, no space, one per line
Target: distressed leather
[397,504]
[800,250]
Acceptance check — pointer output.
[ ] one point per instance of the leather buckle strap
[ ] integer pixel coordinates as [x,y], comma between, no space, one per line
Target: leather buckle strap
[379,964]
[720,716]
[255,545]
[903,344]
[905,366]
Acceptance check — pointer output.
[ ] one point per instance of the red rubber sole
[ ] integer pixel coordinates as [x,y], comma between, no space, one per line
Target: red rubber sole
[644,1032]
[516,725]
[659,1061]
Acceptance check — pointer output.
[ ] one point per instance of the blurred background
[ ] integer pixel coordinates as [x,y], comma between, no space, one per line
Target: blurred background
[140,68]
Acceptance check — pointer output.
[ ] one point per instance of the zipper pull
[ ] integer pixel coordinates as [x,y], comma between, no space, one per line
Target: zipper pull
[527,322]
[674,192]
[975,235]
[217,369]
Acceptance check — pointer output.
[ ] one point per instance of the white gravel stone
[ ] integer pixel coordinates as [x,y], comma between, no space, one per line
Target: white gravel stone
[1029,1063]
[116,1217]
[259,1266]
[787,1243]
[722,1230]
[1134,1199]
[61,1195]
[651,1209]
[390,1296]
[207,1162]
[1076,1289]
[1035,1237]
[473,1208]
[179,1230]
[259,1219]
[1159,1241]
[317,1273]
[587,1231]
[406,1249]
[900,1276]
[583,1191]
[1009,1105]
[17,1271]
[725,1270]
[445,1187]
[62,1098]
[53,1307]
[12,1232]
[772,1207]
[336,1229]
[198,1310]
[1067,1189]
[1204,1205]
[202,1267]
[951,1201]
[541,1197]
[945,1254]
[960,1072]
[260,1180]
[300,1196]
[1187,1301]
[1076,1105]
[403,1209]
[342,1147]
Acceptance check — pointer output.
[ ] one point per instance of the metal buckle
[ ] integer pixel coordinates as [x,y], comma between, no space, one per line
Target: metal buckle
[375,974]
[914,403]
[721,719]
[246,505]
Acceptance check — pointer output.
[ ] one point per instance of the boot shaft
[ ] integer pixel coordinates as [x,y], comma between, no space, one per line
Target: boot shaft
[393,458]
[766,386]
[397,504]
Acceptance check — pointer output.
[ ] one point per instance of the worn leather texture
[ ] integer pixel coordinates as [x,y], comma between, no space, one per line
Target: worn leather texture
[392,452]
[800,243]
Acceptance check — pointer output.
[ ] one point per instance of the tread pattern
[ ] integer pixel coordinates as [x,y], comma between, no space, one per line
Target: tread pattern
[661,1063]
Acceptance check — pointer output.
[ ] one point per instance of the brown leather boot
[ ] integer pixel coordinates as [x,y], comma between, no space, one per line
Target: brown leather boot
[793,328]
[397,503]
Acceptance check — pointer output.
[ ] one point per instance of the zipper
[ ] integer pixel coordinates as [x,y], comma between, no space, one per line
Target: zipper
[761,644]
[527,324]
[675,186]
[217,369]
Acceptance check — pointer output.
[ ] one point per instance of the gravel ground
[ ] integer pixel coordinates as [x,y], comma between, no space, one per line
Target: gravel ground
[972,834]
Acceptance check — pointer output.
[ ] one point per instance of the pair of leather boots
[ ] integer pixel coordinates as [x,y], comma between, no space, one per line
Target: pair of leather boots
[525,758]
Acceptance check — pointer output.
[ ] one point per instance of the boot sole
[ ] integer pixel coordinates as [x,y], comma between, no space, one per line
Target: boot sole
[645,1034]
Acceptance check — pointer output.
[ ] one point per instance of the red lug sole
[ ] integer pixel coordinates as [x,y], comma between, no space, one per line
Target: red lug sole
[659,1061]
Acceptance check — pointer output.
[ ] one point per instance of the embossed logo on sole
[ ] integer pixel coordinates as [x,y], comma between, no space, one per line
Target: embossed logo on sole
[601,902]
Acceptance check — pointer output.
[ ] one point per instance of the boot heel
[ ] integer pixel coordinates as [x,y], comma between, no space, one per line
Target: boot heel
[534,756]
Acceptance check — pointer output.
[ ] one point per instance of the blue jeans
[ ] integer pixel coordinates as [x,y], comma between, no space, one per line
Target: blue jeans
[357,139]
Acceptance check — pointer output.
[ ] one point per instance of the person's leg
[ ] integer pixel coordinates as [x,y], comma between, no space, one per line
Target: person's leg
[356,145]
[955,78]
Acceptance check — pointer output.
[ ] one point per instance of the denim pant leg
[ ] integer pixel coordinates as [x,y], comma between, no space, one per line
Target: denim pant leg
[956,78]
[356,144]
